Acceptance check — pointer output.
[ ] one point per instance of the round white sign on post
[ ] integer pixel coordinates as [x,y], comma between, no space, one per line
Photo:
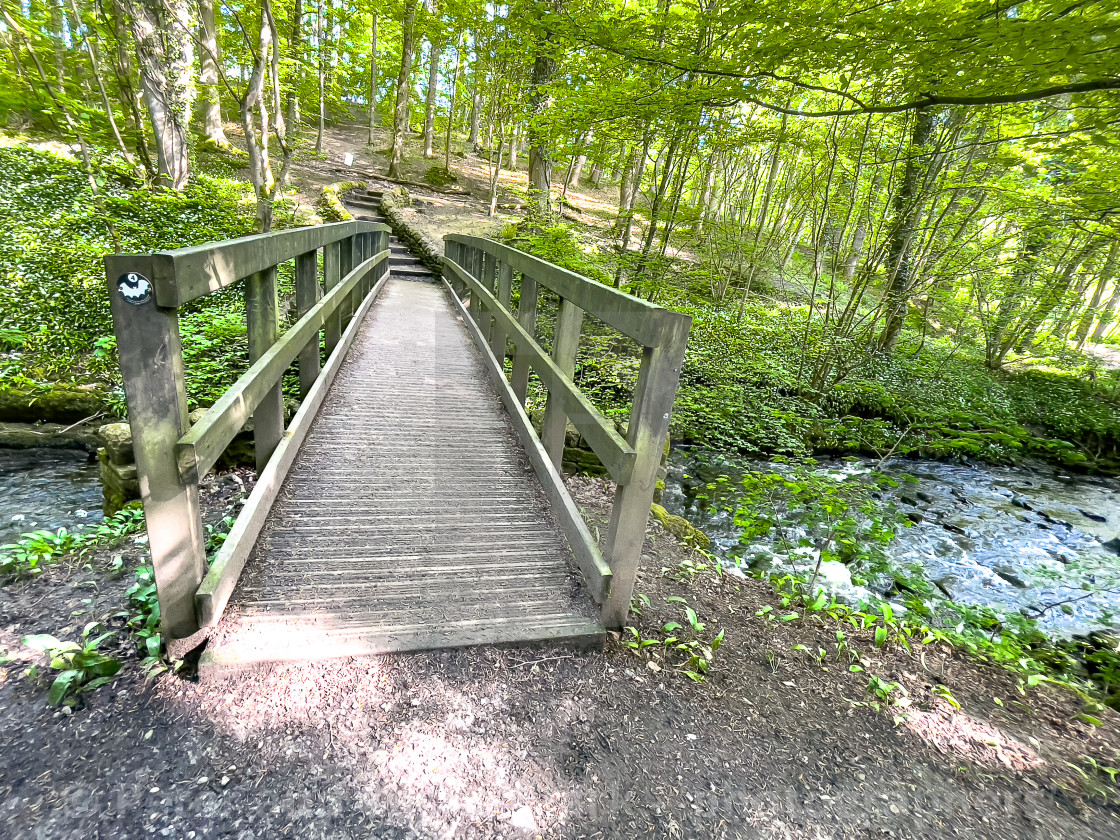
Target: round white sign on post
[134,288]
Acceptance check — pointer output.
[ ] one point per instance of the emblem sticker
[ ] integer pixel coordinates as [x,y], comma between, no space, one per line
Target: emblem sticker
[134,288]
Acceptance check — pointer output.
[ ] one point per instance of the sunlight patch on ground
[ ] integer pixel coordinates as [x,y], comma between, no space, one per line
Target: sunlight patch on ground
[958,734]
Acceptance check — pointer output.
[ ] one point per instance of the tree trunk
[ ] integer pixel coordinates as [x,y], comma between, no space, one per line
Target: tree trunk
[475,119]
[514,143]
[95,69]
[1106,274]
[404,88]
[165,52]
[1053,296]
[430,103]
[372,77]
[540,151]
[1109,316]
[321,48]
[210,101]
[295,43]
[907,201]
[580,160]
[451,106]
[123,70]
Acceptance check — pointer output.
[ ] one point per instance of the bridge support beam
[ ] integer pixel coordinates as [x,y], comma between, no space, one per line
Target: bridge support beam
[151,362]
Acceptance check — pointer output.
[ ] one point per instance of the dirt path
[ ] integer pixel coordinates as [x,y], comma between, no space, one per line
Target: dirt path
[513,742]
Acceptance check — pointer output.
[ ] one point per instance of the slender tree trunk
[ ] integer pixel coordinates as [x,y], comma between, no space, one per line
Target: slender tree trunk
[1110,315]
[1053,296]
[210,102]
[475,119]
[296,46]
[580,160]
[165,51]
[540,149]
[321,49]
[514,143]
[372,77]
[122,67]
[905,210]
[404,89]
[1108,272]
[451,106]
[430,103]
[95,69]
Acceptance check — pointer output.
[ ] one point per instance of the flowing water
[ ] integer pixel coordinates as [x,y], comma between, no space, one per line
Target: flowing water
[47,489]
[1028,539]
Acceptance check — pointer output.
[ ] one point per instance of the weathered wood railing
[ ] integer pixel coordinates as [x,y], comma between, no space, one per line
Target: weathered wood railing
[146,293]
[484,270]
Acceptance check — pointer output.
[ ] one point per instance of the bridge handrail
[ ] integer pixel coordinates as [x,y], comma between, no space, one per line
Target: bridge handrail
[185,274]
[485,269]
[146,292]
[200,448]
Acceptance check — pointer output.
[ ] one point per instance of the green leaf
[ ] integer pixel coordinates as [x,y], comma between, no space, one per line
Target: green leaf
[880,636]
[718,640]
[670,627]
[61,686]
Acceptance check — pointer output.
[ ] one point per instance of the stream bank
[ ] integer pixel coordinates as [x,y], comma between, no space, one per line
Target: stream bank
[1029,540]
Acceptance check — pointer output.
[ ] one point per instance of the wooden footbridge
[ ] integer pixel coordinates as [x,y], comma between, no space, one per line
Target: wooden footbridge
[409,503]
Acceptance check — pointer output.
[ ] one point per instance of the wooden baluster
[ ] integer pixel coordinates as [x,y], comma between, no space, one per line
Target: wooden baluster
[307,295]
[262,311]
[346,266]
[649,424]
[505,292]
[475,269]
[527,318]
[564,348]
[332,266]
[151,361]
[486,325]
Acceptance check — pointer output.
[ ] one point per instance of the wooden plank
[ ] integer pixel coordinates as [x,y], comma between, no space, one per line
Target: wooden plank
[590,561]
[212,596]
[262,320]
[345,266]
[151,362]
[498,333]
[564,348]
[649,424]
[332,260]
[184,274]
[308,294]
[201,447]
[615,453]
[527,319]
[643,321]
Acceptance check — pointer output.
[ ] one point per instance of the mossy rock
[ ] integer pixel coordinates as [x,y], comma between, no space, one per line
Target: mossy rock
[680,528]
[57,404]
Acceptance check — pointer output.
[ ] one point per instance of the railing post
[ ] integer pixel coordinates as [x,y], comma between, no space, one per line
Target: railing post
[527,318]
[497,334]
[262,317]
[346,265]
[151,361]
[475,270]
[307,295]
[332,258]
[564,348]
[649,424]
[487,280]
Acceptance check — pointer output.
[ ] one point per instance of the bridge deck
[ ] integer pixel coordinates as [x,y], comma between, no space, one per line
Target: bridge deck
[411,518]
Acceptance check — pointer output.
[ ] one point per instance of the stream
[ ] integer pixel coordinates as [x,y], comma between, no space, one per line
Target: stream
[47,489]
[1027,539]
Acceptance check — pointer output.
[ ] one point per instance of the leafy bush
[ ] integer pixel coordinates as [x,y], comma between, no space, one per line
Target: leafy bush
[81,667]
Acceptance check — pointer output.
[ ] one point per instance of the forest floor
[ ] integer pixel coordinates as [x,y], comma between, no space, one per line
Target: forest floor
[516,742]
[461,208]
